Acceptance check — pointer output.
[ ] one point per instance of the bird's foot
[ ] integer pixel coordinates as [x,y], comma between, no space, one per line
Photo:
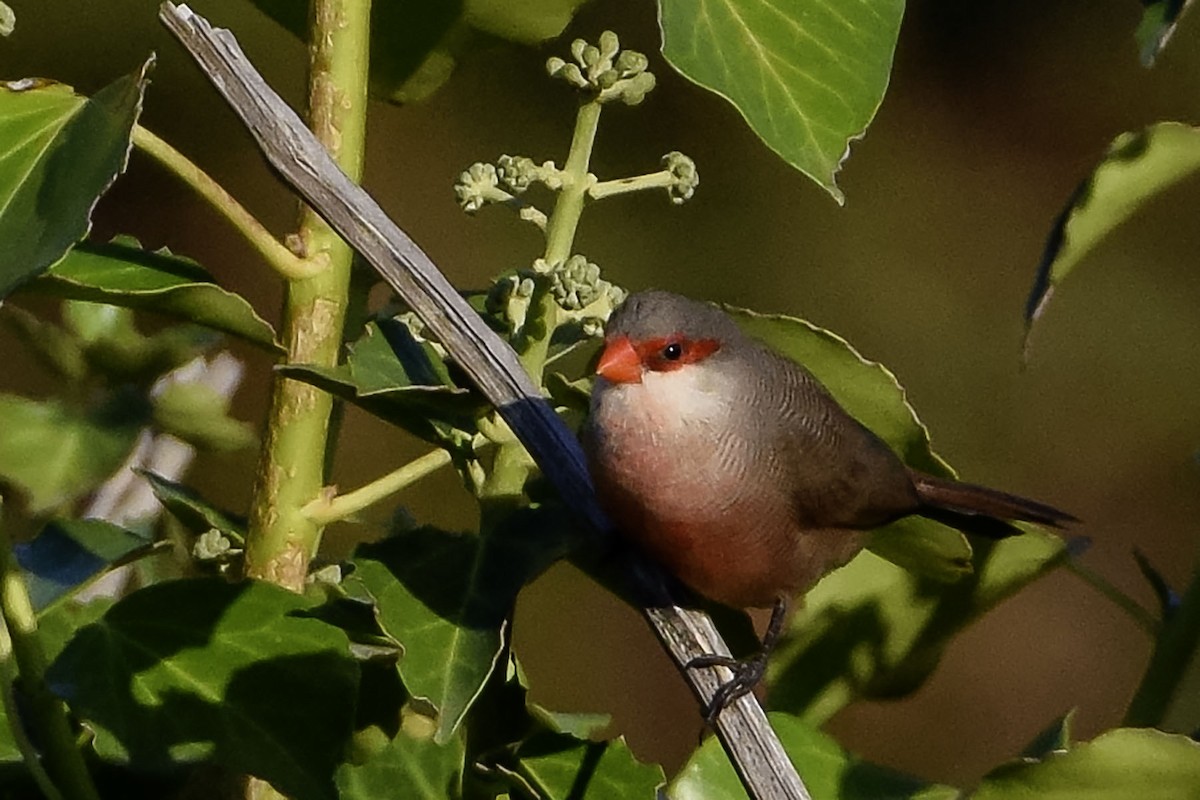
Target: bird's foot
[747,672]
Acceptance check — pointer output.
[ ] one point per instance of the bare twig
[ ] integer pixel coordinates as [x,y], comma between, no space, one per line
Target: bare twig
[743,728]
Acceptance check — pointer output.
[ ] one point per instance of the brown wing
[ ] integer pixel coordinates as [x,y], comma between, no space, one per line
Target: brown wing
[844,475]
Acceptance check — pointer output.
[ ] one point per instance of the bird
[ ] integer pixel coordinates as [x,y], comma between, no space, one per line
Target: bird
[736,469]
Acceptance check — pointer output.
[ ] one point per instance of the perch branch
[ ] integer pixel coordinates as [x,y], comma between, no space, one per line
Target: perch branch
[743,729]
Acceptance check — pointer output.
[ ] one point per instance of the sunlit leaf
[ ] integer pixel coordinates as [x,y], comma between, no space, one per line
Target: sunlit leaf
[562,767]
[121,273]
[58,153]
[1117,765]
[873,396]
[446,598]
[411,766]
[875,630]
[827,770]
[1159,19]
[807,75]
[1138,166]
[68,553]
[54,454]
[205,669]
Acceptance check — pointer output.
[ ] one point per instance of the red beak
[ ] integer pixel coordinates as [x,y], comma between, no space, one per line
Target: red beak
[619,362]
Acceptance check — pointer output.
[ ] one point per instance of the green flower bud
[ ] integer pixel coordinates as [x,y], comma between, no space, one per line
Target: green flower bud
[474,184]
[609,44]
[211,546]
[683,170]
[631,62]
[517,172]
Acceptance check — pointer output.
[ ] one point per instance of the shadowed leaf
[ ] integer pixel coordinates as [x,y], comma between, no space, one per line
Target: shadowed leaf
[1157,26]
[195,513]
[58,153]
[1138,166]
[872,629]
[560,767]
[446,598]
[69,553]
[200,669]
[807,75]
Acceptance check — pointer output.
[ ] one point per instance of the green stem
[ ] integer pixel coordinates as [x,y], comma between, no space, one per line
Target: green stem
[560,228]
[662,179]
[324,511]
[282,539]
[1177,646]
[282,260]
[1144,619]
[64,761]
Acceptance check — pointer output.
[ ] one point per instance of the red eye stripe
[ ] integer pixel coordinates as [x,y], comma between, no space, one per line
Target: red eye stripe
[650,351]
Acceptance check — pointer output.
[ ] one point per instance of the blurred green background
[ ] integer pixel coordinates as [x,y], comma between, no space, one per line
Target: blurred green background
[997,109]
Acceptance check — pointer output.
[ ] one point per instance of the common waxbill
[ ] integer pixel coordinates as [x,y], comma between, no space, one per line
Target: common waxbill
[736,469]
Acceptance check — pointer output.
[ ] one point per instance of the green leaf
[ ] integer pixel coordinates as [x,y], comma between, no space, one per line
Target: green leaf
[69,553]
[411,766]
[58,153]
[560,767]
[204,669]
[195,513]
[872,396]
[524,21]
[54,454]
[1138,166]
[1056,737]
[828,771]
[199,415]
[446,598]
[121,273]
[1157,26]
[807,75]
[1120,764]
[396,377]
[872,629]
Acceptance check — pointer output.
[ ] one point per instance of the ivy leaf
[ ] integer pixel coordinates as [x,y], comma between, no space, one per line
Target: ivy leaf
[446,598]
[59,152]
[411,766]
[807,75]
[828,771]
[1138,166]
[1123,763]
[560,767]
[1055,738]
[69,553]
[54,454]
[391,374]
[121,273]
[1157,26]
[204,669]
[872,629]
[872,395]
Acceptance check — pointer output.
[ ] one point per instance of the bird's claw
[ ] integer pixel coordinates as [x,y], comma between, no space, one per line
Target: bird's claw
[747,672]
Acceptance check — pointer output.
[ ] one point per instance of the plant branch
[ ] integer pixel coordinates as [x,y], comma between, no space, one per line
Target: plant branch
[64,761]
[1177,646]
[282,260]
[752,746]
[282,538]
[323,511]
[663,179]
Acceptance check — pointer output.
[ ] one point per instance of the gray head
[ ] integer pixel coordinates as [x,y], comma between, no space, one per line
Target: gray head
[655,314]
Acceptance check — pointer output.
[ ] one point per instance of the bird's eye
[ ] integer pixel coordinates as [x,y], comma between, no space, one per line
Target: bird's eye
[673,351]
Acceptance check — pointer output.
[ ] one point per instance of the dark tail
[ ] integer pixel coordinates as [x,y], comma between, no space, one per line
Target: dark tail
[977,509]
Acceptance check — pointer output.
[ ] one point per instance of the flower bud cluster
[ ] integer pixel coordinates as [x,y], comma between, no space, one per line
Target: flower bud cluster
[519,172]
[477,185]
[687,178]
[612,73]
